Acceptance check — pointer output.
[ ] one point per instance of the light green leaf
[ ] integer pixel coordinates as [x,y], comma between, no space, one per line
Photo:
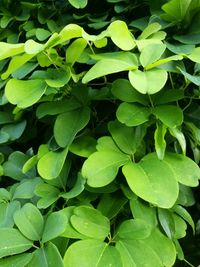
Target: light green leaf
[102,167]
[92,253]
[20,260]
[194,56]
[185,169]
[123,90]
[121,36]
[145,180]
[68,124]
[166,220]
[48,193]
[125,61]
[25,190]
[42,34]
[13,242]
[78,3]
[182,212]
[47,256]
[32,48]
[78,187]
[135,253]
[132,114]
[24,93]
[159,137]
[151,53]
[107,143]
[51,164]
[180,137]
[133,229]
[148,82]
[9,50]
[171,116]
[90,222]
[68,32]
[54,226]
[75,50]
[15,63]
[149,30]
[7,211]
[30,222]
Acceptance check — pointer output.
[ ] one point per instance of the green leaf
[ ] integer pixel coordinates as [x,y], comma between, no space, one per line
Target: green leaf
[145,180]
[132,114]
[167,222]
[75,50]
[185,169]
[13,242]
[180,137]
[20,260]
[47,256]
[171,116]
[123,137]
[193,78]
[68,32]
[25,190]
[123,90]
[126,61]
[151,53]
[78,3]
[120,35]
[48,193]
[92,253]
[102,167]
[24,93]
[142,210]
[14,130]
[13,166]
[133,229]
[7,211]
[68,124]
[57,107]
[57,78]
[30,222]
[136,253]
[148,82]
[175,10]
[159,137]
[182,212]
[90,222]
[42,34]
[168,252]
[83,146]
[54,226]
[9,50]
[51,164]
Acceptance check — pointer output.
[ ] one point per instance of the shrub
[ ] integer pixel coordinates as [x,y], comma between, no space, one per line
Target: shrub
[99,132]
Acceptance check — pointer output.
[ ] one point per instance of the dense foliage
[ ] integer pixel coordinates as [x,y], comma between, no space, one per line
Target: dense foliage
[100,133]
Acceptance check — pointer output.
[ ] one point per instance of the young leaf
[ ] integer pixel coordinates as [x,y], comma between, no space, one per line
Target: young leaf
[149,30]
[51,164]
[13,242]
[102,167]
[126,61]
[151,53]
[148,82]
[83,146]
[30,222]
[9,50]
[78,3]
[159,137]
[24,93]
[120,35]
[75,50]
[132,114]
[92,252]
